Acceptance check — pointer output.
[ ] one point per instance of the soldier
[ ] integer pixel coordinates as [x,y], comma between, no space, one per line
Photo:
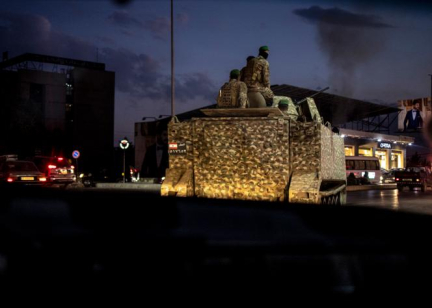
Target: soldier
[257,79]
[233,94]
[283,105]
[242,71]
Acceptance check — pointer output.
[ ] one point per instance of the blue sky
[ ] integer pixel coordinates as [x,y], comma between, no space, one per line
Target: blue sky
[378,51]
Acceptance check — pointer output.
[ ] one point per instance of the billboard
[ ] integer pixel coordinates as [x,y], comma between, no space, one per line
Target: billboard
[413,114]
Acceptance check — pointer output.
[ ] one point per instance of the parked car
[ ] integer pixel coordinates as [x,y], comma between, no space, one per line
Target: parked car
[58,170]
[19,172]
[388,177]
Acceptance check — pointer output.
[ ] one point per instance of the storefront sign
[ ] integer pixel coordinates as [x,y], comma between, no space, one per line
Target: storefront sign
[384,145]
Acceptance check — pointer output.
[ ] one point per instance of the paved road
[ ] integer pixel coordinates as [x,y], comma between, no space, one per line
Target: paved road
[412,201]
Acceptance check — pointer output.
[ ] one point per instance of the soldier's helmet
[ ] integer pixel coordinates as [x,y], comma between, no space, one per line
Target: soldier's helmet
[283,103]
[234,74]
[264,48]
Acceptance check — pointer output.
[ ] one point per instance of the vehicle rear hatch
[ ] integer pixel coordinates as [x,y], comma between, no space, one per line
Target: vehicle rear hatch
[407,177]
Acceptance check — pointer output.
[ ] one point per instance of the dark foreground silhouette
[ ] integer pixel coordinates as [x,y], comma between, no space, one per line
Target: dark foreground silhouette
[106,241]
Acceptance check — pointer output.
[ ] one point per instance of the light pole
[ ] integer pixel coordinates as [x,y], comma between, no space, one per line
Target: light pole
[124,144]
[172,59]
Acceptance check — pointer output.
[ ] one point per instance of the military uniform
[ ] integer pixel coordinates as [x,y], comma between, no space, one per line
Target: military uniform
[257,78]
[233,94]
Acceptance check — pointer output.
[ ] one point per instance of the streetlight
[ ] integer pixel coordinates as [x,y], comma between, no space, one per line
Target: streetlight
[124,144]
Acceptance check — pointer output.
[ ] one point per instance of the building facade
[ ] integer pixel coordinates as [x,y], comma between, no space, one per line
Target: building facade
[389,149]
[53,106]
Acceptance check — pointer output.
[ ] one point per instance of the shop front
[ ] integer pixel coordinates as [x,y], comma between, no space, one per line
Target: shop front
[390,150]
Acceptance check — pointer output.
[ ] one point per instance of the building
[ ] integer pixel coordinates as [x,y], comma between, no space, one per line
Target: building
[53,106]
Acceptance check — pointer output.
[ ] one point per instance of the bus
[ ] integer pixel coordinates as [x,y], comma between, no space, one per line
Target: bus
[358,165]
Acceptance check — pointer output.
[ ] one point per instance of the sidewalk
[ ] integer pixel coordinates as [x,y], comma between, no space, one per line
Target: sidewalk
[371,187]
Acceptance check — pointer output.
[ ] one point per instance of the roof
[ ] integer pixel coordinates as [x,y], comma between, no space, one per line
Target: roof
[334,108]
[32,57]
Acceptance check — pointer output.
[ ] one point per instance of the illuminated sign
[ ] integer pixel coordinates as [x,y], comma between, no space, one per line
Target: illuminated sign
[124,144]
[384,145]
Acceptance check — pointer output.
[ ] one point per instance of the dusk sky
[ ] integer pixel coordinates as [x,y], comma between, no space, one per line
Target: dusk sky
[379,51]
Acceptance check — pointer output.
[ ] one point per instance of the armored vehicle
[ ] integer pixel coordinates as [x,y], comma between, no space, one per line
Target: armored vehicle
[257,154]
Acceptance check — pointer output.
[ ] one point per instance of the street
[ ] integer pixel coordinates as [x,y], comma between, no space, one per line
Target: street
[410,201]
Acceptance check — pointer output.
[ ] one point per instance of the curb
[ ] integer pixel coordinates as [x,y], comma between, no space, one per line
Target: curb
[134,186]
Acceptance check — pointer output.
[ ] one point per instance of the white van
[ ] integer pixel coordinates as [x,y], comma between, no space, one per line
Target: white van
[359,165]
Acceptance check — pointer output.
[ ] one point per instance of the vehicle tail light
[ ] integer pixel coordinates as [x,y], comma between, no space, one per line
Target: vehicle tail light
[42,179]
[10,180]
[397,179]
[52,166]
[60,159]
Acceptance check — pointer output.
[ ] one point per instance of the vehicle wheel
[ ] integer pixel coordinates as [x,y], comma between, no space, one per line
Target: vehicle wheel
[400,188]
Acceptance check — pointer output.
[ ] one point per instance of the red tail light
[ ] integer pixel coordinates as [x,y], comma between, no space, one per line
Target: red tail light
[52,166]
[60,159]
[397,179]
[10,180]
[42,179]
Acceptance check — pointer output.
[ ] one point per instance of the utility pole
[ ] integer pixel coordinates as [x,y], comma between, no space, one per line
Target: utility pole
[172,59]
[431,85]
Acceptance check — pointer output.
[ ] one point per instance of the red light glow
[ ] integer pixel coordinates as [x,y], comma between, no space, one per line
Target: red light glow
[42,179]
[60,159]
[52,166]
[10,180]
[397,179]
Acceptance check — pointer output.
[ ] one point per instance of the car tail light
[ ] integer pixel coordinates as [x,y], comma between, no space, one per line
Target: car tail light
[397,179]
[10,180]
[52,166]
[42,179]
[60,159]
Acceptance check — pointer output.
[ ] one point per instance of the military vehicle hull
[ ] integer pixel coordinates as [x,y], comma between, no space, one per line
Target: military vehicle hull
[255,154]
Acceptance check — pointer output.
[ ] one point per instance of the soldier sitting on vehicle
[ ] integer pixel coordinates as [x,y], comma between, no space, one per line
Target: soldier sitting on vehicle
[233,94]
[286,105]
[257,78]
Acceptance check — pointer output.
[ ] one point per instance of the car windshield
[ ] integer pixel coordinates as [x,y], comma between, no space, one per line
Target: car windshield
[206,137]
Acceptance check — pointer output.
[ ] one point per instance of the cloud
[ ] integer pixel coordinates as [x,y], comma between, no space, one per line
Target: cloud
[106,40]
[339,17]
[124,19]
[139,76]
[159,27]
